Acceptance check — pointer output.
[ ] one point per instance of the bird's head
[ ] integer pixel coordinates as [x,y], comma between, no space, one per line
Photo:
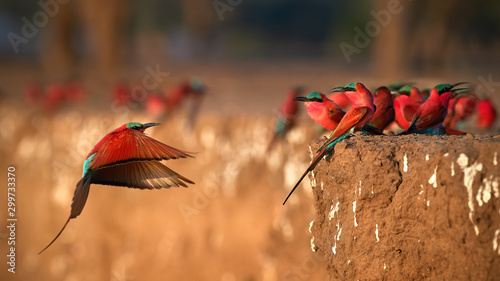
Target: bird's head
[351,87]
[139,126]
[197,85]
[443,88]
[398,86]
[382,91]
[312,97]
[405,90]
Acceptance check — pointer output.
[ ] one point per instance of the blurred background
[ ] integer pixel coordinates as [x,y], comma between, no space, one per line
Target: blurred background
[72,71]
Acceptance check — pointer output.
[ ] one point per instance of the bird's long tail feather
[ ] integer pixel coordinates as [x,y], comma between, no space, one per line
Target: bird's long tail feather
[310,168]
[57,236]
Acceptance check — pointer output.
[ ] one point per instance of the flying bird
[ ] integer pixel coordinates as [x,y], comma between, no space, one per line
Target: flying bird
[126,157]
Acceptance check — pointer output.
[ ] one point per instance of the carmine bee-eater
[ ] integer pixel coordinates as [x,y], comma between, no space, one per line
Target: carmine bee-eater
[433,111]
[486,114]
[126,157]
[287,116]
[341,99]
[384,108]
[359,115]
[406,104]
[459,109]
[322,110]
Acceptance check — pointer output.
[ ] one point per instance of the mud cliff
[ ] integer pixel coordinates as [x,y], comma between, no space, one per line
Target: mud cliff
[410,207]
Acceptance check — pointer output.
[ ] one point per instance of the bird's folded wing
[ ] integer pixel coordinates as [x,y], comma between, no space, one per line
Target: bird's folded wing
[139,174]
[350,119]
[131,145]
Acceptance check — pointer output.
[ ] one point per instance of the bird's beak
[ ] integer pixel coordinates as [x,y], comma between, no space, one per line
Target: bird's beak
[303,99]
[461,92]
[147,125]
[458,84]
[337,89]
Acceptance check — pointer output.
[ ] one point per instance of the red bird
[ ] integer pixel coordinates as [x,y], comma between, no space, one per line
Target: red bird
[406,105]
[400,102]
[355,119]
[155,106]
[126,157]
[433,111]
[286,117]
[384,105]
[322,110]
[121,94]
[341,99]
[486,114]
[459,109]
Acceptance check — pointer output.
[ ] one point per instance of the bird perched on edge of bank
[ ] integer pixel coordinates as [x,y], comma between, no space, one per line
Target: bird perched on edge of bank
[126,157]
[355,119]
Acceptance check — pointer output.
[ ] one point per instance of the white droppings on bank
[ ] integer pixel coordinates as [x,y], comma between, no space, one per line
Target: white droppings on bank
[376,232]
[405,164]
[488,188]
[446,154]
[469,174]
[433,179]
[333,211]
[313,180]
[339,231]
[495,162]
[452,169]
[354,211]
[496,237]
[427,157]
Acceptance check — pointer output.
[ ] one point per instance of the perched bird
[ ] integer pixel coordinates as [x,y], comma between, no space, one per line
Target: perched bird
[400,102]
[55,95]
[194,89]
[287,116]
[406,104]
[384,108]
[121,94]
[486,114]
[359,115]
[341,99]
[459,109]
[414,101]
[322,110]
[433,111]
[126,157]
[155,106]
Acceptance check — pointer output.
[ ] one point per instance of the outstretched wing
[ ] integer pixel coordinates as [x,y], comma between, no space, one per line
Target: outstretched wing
[139,174]
[131,145]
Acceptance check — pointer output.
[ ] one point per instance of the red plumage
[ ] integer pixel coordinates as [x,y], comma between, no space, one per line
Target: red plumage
[126,157]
